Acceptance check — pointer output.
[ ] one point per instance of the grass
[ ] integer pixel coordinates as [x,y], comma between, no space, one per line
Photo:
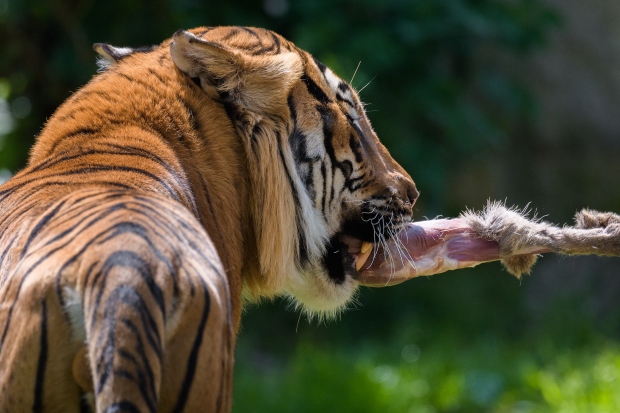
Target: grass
[465,342]
[484,376]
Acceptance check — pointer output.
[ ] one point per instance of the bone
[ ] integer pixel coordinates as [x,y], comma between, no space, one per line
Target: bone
[495,233]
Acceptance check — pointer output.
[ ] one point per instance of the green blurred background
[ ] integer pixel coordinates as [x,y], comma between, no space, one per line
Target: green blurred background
[515,100]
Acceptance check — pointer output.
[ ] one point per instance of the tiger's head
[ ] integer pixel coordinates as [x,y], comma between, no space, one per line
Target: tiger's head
[321,182]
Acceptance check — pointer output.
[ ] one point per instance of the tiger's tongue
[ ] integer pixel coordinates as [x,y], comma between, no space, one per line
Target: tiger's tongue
[423,248]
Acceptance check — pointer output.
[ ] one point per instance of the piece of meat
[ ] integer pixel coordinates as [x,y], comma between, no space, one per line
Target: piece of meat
[496,233]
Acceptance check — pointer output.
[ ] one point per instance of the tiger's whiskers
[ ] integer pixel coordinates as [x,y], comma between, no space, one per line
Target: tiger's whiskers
[354,73]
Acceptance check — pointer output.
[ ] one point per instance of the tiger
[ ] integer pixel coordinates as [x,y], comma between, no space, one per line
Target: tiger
[223,166]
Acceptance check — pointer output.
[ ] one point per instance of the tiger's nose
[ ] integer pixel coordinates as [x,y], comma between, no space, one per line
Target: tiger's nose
[404,189]
[407,190]
[412,193]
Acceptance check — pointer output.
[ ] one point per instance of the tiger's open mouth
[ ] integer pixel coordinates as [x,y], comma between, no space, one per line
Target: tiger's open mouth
[358,245]
[347,256]
[358,249]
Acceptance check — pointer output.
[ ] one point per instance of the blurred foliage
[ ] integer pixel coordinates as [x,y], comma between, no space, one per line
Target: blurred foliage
[483,375]
[438,82]
[431,95]
[457,342]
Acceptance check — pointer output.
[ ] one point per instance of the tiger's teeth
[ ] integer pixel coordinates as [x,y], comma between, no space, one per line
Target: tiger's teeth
[366,246]
[363,255]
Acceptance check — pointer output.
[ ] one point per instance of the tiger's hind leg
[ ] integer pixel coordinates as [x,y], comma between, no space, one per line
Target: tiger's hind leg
[156,312]
[36,352]
[198,362]
[140,361]
[124,320]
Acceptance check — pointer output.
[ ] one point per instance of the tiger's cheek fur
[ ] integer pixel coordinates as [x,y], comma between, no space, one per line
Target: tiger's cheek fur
[350,182]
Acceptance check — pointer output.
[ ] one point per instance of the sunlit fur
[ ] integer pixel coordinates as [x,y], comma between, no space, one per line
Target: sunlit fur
[223,163]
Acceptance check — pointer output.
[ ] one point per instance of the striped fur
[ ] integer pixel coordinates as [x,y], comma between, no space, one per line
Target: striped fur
[224,163]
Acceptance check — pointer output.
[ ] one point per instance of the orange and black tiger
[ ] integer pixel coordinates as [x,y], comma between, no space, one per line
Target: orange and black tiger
[223,165]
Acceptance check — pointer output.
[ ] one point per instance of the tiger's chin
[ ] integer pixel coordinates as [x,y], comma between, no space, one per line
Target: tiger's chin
[316,295]
[323,290]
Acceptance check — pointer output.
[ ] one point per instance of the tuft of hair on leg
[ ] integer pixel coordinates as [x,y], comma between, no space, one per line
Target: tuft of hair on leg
[519,264]
[511,229]
[589,218]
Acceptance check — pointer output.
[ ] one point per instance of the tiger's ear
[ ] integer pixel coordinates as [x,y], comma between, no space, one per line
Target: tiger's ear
[109,55]
[112,54]
[257,83]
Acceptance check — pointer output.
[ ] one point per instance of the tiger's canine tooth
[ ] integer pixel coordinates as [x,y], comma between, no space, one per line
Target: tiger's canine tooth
[366,246]
[363,255]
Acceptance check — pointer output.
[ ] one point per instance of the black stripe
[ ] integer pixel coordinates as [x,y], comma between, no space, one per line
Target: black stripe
[39,226]
[297,144]
[347,101]
[118,259]
[315,90]
[233,32]
[346,167]
[192,361]
[37,405]
[81,131]
[357,180]
[96,168]
[141,231]
[303,246]
[276,41]
[324,175]
[356,148]
[157,75]
[44,184]
[321,66]
[148,390]
[71,135]
[251,32]
[126,374]
[130,259]
[182,239]
[180,180]
[81,209]
[137,80]
[6,250]
[202,33]
[126,295]
[327,117]
[17,210]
